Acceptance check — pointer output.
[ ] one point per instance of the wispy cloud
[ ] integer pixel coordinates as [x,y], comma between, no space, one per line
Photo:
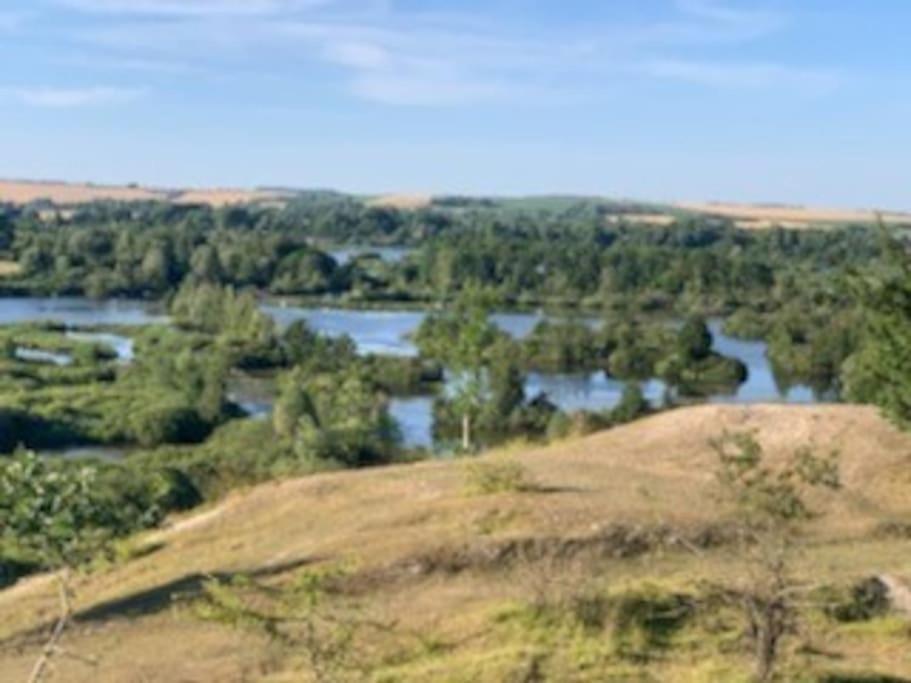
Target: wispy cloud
[68,98]
[744,20]
[419,90]
[387,54]
[741,75]
[192,8]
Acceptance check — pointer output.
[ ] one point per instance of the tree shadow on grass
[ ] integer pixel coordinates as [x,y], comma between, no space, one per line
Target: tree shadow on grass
[862,678]
[161,597]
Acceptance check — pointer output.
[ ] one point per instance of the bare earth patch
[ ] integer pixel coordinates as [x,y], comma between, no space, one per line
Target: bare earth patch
[223,197]
[23,192]
[9,268]
[73,194]
[757,216]
[402,201]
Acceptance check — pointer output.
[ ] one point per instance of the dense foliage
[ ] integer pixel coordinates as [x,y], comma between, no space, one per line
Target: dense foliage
[574,254]
[620,291]
[55,514]
[878,372]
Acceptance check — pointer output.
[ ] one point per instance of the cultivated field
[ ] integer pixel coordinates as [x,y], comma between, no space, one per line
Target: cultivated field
[746,216]
[409,202]
[9,268]
[73,194]
[795,217]
[446,566]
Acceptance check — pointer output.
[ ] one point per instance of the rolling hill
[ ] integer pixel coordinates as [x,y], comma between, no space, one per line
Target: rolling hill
[622,509]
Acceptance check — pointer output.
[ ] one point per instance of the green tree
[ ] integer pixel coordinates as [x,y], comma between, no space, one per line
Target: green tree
[878,372]
[507,381]
[156,269]
[474,335]
[292,405]
[632,404]
[53,515]
[694,340]
[339,417]
[768,510]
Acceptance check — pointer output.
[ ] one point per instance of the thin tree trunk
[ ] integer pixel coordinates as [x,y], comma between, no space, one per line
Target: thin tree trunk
[50,648]
[466,432]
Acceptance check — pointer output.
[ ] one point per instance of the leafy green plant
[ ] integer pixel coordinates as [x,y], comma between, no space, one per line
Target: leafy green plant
[497,475]
[309,616]
[56,516]
[768,510]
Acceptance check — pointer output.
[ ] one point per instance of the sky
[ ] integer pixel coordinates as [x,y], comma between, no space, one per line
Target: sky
[805,102]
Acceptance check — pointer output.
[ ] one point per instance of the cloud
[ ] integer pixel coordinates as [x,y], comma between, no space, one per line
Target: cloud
[382,53]
[68,98]
[757,19]
[192,8]
[741,75]
[357,55]
[424,90]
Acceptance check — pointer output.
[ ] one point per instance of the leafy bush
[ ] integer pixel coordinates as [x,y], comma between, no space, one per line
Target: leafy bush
[62,514]
[492,476]
[645,621]
[865,600]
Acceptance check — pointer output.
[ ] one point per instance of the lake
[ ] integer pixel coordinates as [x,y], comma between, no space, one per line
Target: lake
[79,312]
[382,332]
[388,332]
[343,255]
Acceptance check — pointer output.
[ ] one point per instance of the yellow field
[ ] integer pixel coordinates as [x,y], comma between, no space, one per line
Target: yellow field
[9,268]
[72,194]
[402,201]
[753,216]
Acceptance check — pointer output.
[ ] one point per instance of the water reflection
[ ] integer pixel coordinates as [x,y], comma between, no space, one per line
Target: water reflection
[42,356]
[122,346]
[415,418]
[382,332]
[388,332]
[78,312]
[343,255]
[586,391]
[761,385]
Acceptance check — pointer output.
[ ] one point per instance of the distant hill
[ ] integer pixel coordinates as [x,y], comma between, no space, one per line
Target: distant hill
[746,216]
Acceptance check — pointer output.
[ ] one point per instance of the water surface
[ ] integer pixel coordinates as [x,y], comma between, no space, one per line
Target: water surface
[120,345]
[78,311]
[343,255]
[389,332]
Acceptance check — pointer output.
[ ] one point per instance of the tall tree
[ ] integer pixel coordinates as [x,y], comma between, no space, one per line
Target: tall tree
[879,372]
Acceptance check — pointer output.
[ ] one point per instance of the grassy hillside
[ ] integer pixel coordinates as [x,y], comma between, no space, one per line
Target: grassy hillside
[547,581]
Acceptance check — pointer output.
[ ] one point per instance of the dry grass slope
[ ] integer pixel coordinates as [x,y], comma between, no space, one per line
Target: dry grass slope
[438,559]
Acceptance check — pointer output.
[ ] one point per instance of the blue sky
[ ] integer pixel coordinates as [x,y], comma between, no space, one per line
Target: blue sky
[759,100]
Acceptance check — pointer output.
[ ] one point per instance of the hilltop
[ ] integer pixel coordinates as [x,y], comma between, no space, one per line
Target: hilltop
[66,196]
[630,507]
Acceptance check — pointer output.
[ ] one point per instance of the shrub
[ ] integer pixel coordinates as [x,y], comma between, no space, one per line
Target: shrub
[645,621]
[864,600]
[488,477]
